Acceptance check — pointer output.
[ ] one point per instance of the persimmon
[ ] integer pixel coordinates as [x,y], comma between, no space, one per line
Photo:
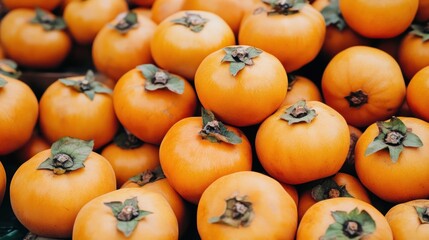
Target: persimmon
[301,88]
[360,15]
[20,109]
[198,150]
[154,180]
[78,107]
[239,205]
[293,31]
[343,218]
[49,46]
[294,145]
[182,40]
[392,161]
[292,191]
[85,18]
[56,183]
[148,100]
[127,213]
[48,5]
[123,44]
[417,90]
[409,220]
[364,84]
[129,156]
[229,80]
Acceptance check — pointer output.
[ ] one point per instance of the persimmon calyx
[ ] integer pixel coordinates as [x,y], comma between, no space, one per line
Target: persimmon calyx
[332,15]
[394,136]
[157,78]
[126,140]
[350,225]
[421,30]
[357,98]
[48,22]
[87,85]
[423,213]
[128,214]
[238,212]
[299,112]
[126,22]
[281,7]
[148,176]
[328,188]
[9,68]
[215,131]
[239,57]
[67,154]
[192,21]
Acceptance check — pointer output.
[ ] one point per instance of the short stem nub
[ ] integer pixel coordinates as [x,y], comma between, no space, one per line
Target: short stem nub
[211,127]
[84,85]
[62,160]
[394,138]
[357,98]
[352,229]
[128,213]
[161,77]
[299,112]
[334,193]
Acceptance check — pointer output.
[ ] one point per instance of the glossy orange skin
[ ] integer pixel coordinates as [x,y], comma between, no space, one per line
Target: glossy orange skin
[129,162]
[192,163]
[232,11]
[176,202]
[3,181]
[274,210]
[46,50]
[226,95]
[318,217]
[18,115]
[85,18]
[58,198]
[67,112]
[294,39]
[293,192]
[351,183]
[413,54]
[417,90]
[404,220]
[402,181]
[422,14]
[161,9]
[34,145]
[149,114]
[302,88]
[115,53]
[371,70]
[179,50]
[45,4]
[296,154]
[360,15]
[96,221]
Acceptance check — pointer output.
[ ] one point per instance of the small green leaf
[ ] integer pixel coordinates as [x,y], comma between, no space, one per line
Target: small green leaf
[394,152]
[332,15]
[412,140]
[127,227]
[235,67]
[115,206]
[420,30]
[239,57]
[238,212]
[2,82]
[128,21]
[340,216]
[375,146]
[299,112]
[328,188]
[148,70]
[9,68]
[90,94]
[215,131]
[148,176]
[157,78]
[423,213]
[192,21]
[87,85]
[48,22]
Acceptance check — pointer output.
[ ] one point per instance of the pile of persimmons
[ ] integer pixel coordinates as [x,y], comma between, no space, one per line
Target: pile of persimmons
[219,119]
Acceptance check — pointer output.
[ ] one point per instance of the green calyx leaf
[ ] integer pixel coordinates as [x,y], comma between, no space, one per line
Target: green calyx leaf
[148,176]
[157,78]
[2,82]
[215,131]
[48,22]
[9,68]
[421,30]
[126,23]
[87,85]
[126,140]
[352,225]
[423,213]
[238,212]
[299,112]
[394,136]
[128,214]
[67,154]
[192,21]
[329,189]
[333,16]
[239,57]
[281,7]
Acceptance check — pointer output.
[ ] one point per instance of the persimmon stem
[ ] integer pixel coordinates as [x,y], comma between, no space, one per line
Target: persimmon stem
[128,213]
[334,193]
[352,229]
[394,138]
[357,98]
